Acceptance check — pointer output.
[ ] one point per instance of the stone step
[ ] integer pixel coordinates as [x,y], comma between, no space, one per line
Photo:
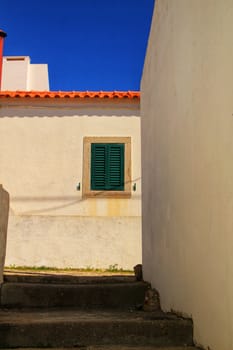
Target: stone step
[91,295]
[75,328]
[118,347]
[63,278]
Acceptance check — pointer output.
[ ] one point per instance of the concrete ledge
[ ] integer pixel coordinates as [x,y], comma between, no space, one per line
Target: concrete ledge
[117,347]
[62,278]
[84,296]
[75,328]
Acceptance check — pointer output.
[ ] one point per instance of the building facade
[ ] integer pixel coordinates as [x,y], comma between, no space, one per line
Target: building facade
[71,164]
[187,147]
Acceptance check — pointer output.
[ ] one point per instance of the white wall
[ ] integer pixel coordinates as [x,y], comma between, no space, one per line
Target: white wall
[4,211]
[19,74]
[187,148]
[44,143]
[38,77]
[15,73]
[74,241]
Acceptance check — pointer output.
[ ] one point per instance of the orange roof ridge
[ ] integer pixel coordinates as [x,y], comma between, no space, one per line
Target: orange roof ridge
[71,94]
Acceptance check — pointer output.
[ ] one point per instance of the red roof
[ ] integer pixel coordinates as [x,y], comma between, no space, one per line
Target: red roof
[71,94]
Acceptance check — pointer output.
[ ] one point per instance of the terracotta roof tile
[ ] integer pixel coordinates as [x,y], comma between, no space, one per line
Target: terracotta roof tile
[71,94]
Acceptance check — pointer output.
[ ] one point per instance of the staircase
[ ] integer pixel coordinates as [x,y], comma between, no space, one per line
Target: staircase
[59,311]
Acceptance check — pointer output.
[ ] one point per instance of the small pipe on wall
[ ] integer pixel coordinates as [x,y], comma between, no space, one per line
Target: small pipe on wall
[2,37]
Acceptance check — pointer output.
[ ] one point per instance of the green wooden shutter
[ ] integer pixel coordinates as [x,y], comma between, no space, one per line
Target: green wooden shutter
[116,167]
[98,166]
[107,166]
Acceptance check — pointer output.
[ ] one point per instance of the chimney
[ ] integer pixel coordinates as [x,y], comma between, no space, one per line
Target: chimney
[2,36]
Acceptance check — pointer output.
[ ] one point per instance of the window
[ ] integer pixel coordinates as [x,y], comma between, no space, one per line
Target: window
[107,166]
[107,170]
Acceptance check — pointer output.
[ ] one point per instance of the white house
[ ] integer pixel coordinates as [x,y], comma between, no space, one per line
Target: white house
[19,74]
[71,164]
[187,147]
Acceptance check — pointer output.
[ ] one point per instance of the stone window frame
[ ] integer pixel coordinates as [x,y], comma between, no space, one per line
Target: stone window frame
[86,188]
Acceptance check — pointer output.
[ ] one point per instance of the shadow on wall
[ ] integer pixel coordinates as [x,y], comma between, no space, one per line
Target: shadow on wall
[49,110]
[69,200]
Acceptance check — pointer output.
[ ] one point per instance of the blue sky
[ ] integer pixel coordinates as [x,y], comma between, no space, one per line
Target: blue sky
[88,44]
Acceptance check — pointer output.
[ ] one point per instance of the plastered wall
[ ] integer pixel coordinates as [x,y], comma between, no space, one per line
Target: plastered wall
[44,143]
[19,74]
[187,148]
[4,211]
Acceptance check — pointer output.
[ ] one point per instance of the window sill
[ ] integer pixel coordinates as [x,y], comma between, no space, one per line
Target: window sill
[107,194]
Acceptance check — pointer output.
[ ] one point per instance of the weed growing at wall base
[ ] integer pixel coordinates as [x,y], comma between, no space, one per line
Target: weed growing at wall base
[112,268]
